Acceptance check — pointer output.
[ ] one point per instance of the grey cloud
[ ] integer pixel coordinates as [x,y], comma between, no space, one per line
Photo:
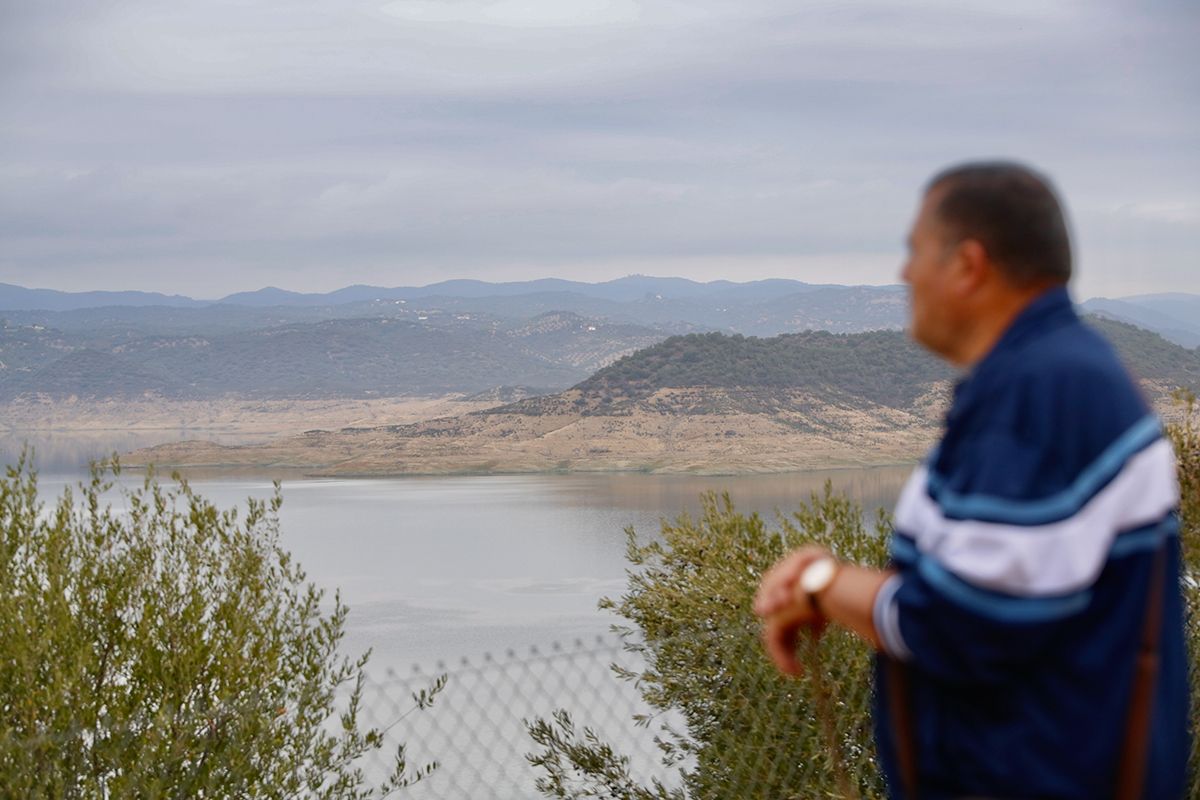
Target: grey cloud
[366,142]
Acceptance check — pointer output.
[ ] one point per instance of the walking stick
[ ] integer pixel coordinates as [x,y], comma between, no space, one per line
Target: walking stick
[825,717]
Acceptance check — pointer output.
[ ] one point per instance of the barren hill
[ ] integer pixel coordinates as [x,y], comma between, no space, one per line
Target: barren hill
[692,403]
[696,403]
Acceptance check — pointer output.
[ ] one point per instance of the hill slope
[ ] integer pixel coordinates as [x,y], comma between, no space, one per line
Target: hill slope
[692,403]
[1171,318]
[882,367]
[350,358]
[1160,365]
[697,403]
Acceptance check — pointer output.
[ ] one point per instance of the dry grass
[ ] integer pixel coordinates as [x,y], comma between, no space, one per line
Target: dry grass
[646,438]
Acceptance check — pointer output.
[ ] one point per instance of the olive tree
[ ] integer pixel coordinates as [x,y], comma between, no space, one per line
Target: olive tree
[167,648]
[728,723]
[1185,436]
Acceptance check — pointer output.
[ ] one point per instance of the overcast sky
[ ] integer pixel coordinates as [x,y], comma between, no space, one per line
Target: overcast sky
[206,147]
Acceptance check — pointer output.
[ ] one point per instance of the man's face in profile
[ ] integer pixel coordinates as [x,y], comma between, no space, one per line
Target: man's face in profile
[932,311]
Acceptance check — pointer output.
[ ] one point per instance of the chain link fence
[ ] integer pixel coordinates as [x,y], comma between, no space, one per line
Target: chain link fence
[573,721]
[570,720]
[476,728]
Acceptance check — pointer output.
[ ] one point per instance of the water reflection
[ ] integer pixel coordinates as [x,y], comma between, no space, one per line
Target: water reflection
[872,487]
[67,452]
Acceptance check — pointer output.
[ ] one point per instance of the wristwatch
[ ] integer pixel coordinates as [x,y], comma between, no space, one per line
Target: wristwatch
[816,578]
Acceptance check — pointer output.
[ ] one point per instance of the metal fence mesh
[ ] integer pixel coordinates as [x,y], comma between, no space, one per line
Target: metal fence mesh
[477,726]
[757,734]
[752,734]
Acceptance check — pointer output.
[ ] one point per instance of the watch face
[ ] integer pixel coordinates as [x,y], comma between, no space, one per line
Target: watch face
[817,575]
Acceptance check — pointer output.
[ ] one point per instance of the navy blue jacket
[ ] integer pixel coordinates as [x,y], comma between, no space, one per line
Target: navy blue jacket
[1024,549]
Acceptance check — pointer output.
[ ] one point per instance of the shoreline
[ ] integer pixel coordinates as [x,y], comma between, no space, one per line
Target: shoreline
[224,416]
[496,467]
[256,471]
[439,437]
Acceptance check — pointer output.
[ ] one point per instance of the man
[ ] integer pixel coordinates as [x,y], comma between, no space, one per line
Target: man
[1034,553]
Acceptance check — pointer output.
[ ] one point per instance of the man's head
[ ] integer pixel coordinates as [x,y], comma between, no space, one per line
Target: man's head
[989,238]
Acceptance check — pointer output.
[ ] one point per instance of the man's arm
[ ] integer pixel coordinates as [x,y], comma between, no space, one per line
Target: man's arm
[848,600]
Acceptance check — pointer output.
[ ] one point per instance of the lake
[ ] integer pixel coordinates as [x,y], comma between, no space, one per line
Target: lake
[443,567]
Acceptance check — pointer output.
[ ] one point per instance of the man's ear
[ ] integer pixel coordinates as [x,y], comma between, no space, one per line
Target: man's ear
[972,266]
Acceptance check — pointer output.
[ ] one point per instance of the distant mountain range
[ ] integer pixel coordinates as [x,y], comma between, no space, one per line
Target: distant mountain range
[18,298]
[366,357]
[448,338]
[673,305]
[1175,317]
[633,287]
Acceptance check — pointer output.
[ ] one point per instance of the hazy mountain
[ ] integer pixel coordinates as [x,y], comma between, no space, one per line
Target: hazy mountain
[1175,317]
[588,344]
[840,309]
[673,305]
[273,296]
[24,348]
[1150,356]
[621,290]
[86,373]
[525,306]
[18,297]
[633,287]
[114,324]
[746,309]
[657,307]
[432,354]
[1179,305]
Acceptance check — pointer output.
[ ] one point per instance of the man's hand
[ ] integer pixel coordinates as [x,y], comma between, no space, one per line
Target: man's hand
[785,610]
[778,588]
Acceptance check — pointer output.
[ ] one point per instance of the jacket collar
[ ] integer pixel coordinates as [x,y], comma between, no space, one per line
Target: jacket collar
[1048,310]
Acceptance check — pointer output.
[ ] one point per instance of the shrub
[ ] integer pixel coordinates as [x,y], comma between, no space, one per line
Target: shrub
[169,649]
[1185,436]
[747,731]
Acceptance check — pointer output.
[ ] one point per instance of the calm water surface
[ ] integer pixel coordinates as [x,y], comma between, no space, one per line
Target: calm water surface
[438,568]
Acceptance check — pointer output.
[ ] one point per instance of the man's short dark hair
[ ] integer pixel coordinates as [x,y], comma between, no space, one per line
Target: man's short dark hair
[1013,212]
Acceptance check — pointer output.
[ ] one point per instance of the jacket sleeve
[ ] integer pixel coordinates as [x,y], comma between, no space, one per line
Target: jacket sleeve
[985,582]
[961,633]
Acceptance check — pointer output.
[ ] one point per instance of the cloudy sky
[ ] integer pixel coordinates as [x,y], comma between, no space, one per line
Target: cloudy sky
[212,146]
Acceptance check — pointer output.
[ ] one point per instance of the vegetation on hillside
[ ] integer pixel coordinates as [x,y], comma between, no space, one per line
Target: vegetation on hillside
[400,351]
[883,367]
[378,357]
[1151,357]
